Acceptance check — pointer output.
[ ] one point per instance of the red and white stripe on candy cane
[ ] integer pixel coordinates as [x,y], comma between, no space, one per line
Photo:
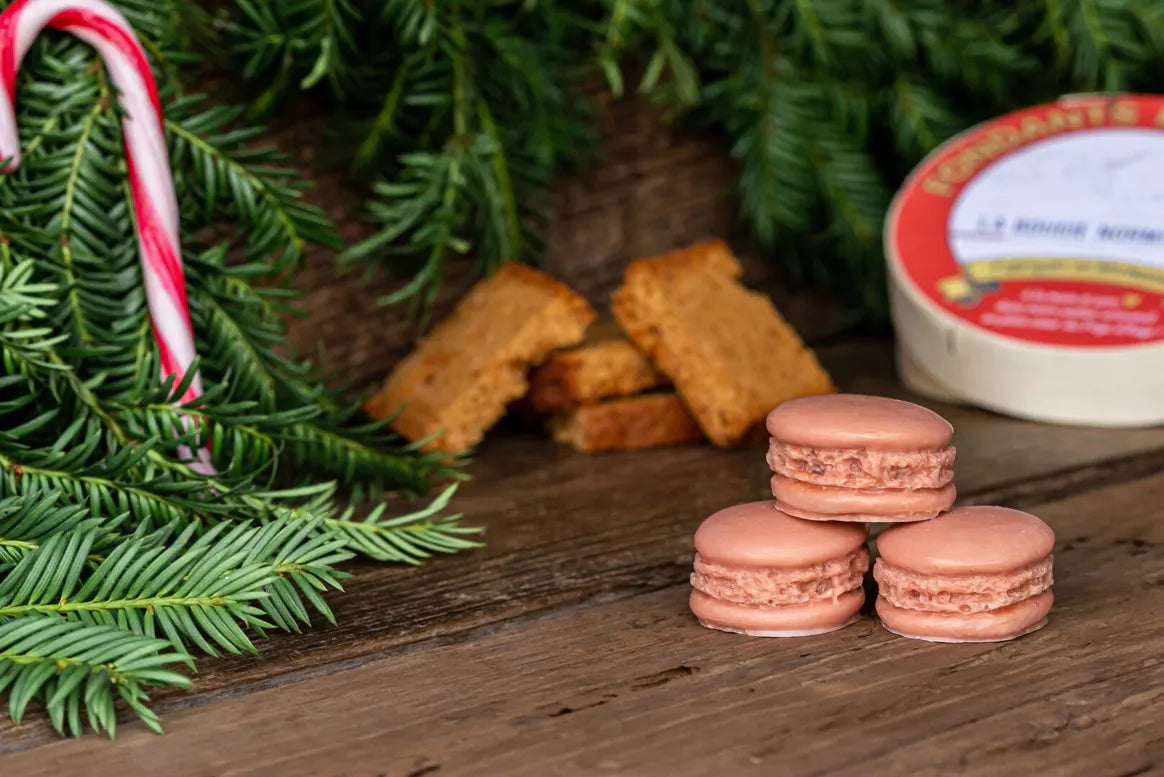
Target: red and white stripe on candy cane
[155,203]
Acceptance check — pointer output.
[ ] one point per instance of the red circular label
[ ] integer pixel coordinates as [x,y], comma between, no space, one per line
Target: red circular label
[1045,225]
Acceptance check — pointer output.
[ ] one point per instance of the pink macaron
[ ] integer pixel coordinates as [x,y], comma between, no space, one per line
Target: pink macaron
[761,572]
[974,574]
[850,457]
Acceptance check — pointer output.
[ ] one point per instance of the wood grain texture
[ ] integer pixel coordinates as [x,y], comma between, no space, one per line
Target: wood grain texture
[568,530]
[636,687]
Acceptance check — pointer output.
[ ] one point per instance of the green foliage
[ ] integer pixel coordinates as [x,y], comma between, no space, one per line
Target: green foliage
[192,588]
[77,671]
[466,110]
[406,538]
[26,523]
[117,561]
[460,111]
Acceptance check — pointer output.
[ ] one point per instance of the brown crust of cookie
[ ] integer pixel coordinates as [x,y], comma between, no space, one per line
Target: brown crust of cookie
[645,421]
[730,355]
[459,379]
[589,373]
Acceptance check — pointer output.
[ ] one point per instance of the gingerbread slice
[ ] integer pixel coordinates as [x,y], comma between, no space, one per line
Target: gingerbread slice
[627,423]
[605,365]
[731,356]
[458,381]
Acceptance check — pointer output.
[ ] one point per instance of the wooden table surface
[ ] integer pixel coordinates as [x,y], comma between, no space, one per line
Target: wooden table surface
[565,646]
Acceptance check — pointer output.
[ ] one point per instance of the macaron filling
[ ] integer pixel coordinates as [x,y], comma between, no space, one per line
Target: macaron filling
[862,468]
[812,502]
[809,515]
[780,587]
[965,594]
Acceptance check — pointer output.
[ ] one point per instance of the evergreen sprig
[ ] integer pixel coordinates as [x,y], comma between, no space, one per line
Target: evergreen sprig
[78,670]
[198,589]
[26,523]
[461,113]
[466,110]
[117,561]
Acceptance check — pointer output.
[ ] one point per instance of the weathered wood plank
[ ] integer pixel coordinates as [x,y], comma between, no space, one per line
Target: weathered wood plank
[636,687]
[566,529]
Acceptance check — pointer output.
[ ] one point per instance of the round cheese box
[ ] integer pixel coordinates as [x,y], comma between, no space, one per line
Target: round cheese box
[1026,264]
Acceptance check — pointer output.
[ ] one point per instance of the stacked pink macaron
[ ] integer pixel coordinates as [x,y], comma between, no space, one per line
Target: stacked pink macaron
[974,574]
[761,572]
[795,565]
[848,457]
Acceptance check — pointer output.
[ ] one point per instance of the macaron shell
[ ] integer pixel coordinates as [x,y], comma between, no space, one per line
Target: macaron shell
[790,621]
[992,626]
[756,534]
[968,540]
[859,421]
[835,500]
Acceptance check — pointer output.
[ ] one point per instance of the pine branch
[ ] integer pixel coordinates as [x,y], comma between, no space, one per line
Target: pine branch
[26,522]
[1100,40]
[114,555]
[407,538]
[303,42]
[922,117]
[467,107]
[204,591]
[149,502]
[78,670]
[25,343]
[230,179]
[648,25]
[364,456]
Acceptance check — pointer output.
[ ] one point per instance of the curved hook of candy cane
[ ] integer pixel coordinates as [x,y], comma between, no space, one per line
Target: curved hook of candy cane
[155,203]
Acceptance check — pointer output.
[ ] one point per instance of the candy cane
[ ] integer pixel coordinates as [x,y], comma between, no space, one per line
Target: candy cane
[106,30]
